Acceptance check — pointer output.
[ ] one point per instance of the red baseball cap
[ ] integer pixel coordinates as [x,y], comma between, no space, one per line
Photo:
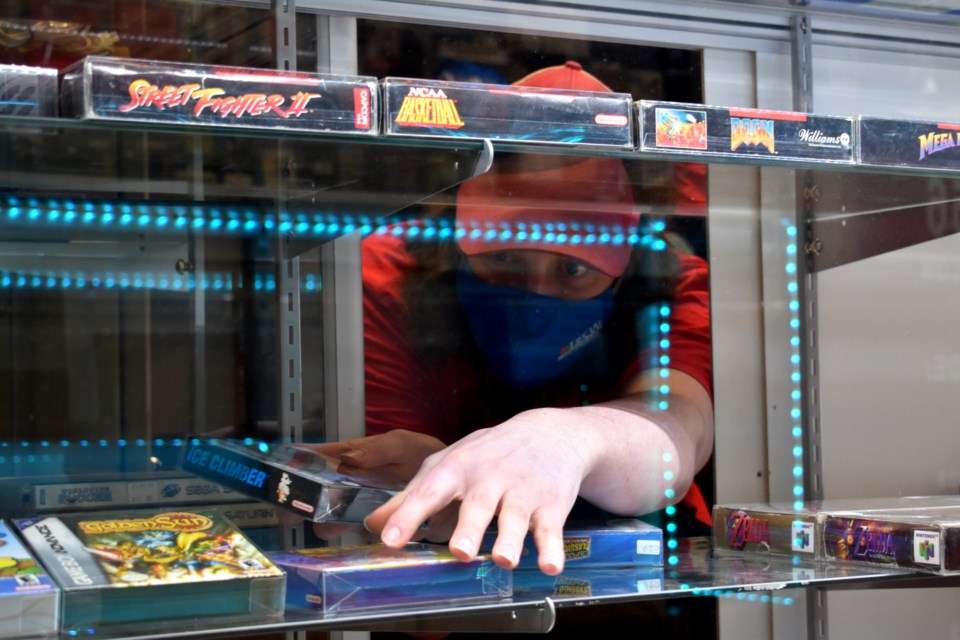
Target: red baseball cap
[569,75]
[578,207]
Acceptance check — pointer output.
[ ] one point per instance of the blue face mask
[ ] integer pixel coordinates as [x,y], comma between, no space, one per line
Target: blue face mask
[528,338]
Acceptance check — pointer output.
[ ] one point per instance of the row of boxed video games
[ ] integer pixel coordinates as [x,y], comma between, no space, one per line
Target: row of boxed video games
[79,573]
[920,533]
[182,93]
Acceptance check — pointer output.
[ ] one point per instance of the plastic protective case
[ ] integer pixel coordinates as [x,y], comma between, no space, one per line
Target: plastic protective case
[909,143]
[295,478]
[622,542]
[925,537]
[181,93]
[676,127]
[337,579]
[29,599]
[28,91]
[127,568]
[777,529]
[437,108]
[587,583]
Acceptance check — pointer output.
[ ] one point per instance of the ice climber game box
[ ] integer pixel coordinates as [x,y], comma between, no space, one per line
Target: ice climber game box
[294,478]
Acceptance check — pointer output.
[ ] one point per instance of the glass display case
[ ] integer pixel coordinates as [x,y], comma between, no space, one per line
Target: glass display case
[162,281]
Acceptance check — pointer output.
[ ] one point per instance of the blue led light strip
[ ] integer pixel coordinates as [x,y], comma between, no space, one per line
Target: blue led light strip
[796,378]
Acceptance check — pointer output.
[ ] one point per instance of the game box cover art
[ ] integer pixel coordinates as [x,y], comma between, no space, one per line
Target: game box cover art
[133,566]
[299,480]
[620,542]
[339,579]
[920,538]
[184,93]
[29,600]
[909,143]
[776,529]
[728,131]
[466,110]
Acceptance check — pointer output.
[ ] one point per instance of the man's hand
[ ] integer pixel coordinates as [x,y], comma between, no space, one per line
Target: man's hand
[526,472]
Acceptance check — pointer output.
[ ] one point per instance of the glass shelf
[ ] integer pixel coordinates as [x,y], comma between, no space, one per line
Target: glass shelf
[699,573]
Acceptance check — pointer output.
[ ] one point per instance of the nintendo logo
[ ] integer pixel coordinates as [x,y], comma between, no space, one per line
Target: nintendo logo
[610,119]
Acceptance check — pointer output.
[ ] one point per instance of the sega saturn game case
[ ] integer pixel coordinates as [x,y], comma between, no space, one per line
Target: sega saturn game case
[297,479]
[675,127]
[928,144]
[777,529]
[29,600]
[28,91]
[184,93]
[338,579]
[621,542]
[467,110]
[119,568]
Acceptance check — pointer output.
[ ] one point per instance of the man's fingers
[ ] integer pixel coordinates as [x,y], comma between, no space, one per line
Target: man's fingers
[547,530]
[477,510]
[513,523]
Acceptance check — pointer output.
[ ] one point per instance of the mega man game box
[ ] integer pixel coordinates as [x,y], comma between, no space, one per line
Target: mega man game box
[183,93]
[29,600]
[468,110]
[119,568]
[925,144]
[621,542]
[299,480]
[338,579]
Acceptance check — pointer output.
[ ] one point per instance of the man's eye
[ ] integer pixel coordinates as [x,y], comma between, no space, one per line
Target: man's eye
[501,256]
[571,268]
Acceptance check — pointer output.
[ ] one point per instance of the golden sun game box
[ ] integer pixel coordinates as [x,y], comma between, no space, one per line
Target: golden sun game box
[468,110]
[184,93]
[29,599]
[127,568]
[299,480]
[339,579]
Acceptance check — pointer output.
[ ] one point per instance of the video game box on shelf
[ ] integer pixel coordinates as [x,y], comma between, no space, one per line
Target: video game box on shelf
[703,130]
[620,542]
[294,478]
[130,567]
[29,599]
[187,93]
[920,533]
[466,110]
[339,579]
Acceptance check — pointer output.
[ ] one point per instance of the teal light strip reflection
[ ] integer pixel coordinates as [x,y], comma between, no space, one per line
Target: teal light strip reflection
[122,280]
[229,220]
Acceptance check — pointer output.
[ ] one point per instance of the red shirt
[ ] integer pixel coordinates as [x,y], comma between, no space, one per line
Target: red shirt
[451,396]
